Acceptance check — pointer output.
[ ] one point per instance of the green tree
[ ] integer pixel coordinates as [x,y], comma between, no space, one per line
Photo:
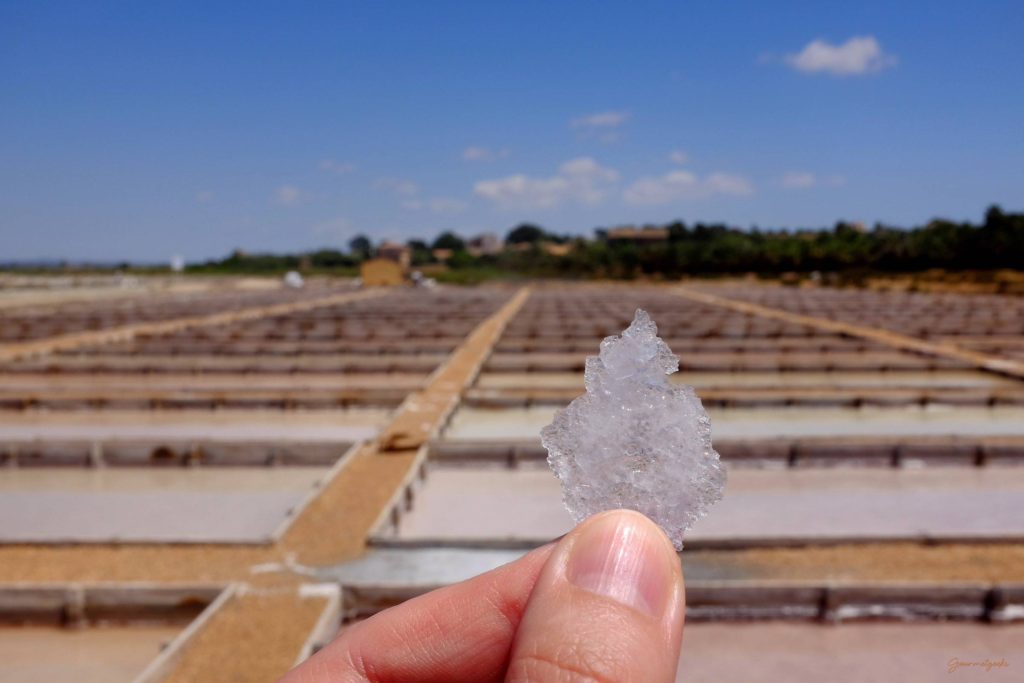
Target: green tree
[361,247]
[525,233]
[449,240]
[420,252]
[330,258]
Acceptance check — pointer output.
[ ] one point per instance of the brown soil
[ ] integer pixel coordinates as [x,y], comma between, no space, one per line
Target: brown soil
[254,637]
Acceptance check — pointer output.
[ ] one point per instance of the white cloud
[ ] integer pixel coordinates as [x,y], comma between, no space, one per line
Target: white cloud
[204,197]
[483,154]
[728,183]
[678,156]
[667,188]
[288,195]
[403,188]
[339,167]
[587,168]
[602,125]
[796,180]
[802,180]
[857,56]
[684,185]
[581,180]
[604,119]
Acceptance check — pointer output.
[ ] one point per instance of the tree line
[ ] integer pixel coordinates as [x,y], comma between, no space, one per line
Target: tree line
[692,249]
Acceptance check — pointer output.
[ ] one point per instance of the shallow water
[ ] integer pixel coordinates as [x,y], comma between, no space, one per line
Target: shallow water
[524,424]
[837,379]
[240,425]
[107,654]
[492,503]
[203,504]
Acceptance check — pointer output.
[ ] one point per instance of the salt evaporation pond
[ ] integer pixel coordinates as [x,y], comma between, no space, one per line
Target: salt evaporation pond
[240,425]
[817,380]
[524,424]
[489,505]
[202,504]
[107,654]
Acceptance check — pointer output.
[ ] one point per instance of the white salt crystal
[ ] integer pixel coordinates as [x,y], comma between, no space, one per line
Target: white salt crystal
[635,441]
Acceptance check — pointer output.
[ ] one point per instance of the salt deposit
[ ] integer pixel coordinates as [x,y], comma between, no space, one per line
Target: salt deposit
[634,440]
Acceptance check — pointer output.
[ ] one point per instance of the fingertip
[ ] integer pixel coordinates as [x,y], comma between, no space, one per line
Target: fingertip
[624,556]
[608,605]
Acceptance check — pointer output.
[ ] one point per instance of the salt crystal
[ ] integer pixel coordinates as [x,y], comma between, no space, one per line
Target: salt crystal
[634,440]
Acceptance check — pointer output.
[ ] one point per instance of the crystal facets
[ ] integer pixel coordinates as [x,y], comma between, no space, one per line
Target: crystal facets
[634,440]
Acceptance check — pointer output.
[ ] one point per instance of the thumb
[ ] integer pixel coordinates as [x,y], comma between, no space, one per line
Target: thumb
[608,606]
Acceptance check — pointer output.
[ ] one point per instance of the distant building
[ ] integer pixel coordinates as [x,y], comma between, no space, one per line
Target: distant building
[556,249]
[441,254]
[633,235]
[485,245]
[393,251]
[552,248]
[381,272]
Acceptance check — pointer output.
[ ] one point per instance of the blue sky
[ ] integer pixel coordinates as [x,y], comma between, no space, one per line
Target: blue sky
[140,130]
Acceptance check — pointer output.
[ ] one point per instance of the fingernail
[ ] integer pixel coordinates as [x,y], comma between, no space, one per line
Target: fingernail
[624,556]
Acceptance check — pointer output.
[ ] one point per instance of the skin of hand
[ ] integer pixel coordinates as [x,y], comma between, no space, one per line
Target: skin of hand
[603,604]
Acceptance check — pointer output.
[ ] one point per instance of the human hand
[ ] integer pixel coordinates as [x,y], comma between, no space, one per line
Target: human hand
[604,603]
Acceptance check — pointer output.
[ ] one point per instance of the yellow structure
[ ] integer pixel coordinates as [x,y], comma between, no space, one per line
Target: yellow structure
[381,272]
